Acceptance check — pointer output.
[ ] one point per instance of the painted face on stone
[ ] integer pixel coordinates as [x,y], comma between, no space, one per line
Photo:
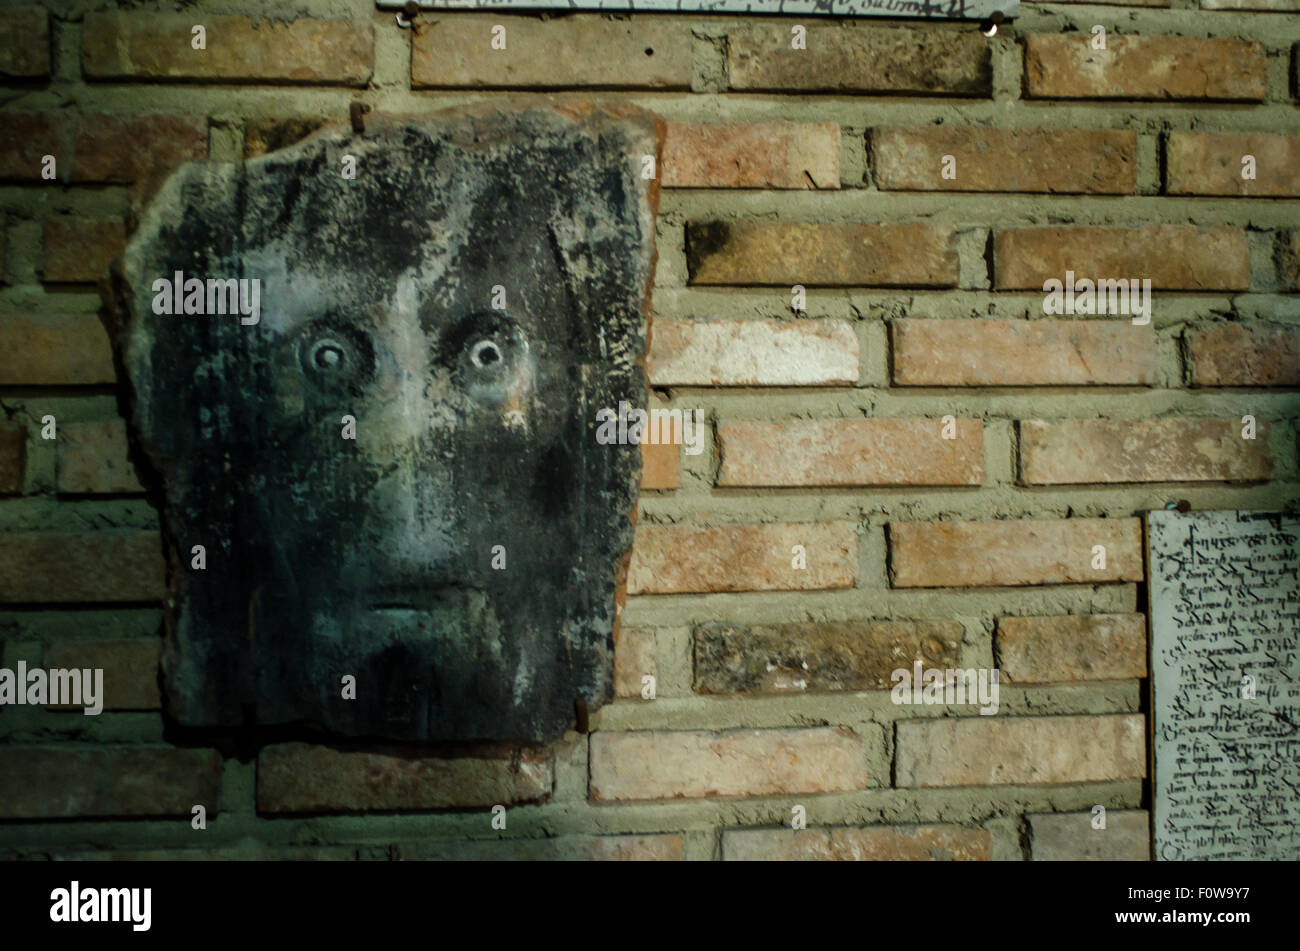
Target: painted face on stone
[463,308]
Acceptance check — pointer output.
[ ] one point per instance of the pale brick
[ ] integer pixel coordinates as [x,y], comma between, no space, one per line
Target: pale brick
[787,253]
[13,453]
[45,783]
[583,50]
[569,848]
[1237,355]
[1079,451]
[93,458]
[100,566]
[634,658]
[835,452]
[1172,257]
[987,159]
[675,559]
[753,353]
[866,844]
[298,777]
[696,765]
[239,48]
[1279,5]
[54,350]
[860,58]
[1203,163]
[79,250]
[660,463]
[1030,751]
[1288,256]
[1065,66]
[24,43]
[974,352]
[130,668]
[818,656]
[751,155]
[1070,837]
[126,149]
[1072,647]
[1019,552]
[25,139]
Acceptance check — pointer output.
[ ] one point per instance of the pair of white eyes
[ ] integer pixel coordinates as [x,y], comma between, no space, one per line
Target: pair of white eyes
[330,355]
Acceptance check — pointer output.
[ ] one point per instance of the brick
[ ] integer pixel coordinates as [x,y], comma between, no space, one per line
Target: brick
[751,155]
[112,149]
[787,253]
[1244,355]
[1288,255]
[1070,837]
[753,353]
[974,352]
[676,559]
[93,458]
[1072,647]
[24,43]
[831,452]
[1102,161]
[54,350]
[79,250]
[1030,751]
[302,778]
[1065,66]
[1078,451]
[267,135]
[806,657]
[660,463]
[157,46]
[13,455]
[248,852]
[1172,257]
[569,848]
[39,568]
[579,50]
[44,783]
[634,657]
[1202,163]
[860,59]
[698,765]
[1250,4]
[1023,552]
[130,668]
[25,139]
[867,844]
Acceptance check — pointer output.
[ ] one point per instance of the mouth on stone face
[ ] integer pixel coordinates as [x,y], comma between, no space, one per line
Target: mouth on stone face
[433,597]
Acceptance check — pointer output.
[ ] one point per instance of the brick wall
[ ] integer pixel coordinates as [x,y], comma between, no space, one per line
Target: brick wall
[827,168]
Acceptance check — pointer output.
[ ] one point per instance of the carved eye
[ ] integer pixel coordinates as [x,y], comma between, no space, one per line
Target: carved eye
[328,355]
[486,355]
[334,355]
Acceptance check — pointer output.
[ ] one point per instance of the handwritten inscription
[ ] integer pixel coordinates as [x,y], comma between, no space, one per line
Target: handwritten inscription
[1225,628]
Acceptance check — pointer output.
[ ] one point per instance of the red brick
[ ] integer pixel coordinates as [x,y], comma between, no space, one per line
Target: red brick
[815,452]
[1024,552]
[660,463]
[751,155]
[13,454]
[868,844]
[859,58]
[675,559]
[1202,163]
[996,751]
[569,848]
[697,765]
[109,148]
[298,777]
[45,783]
[130,668]
[1172,257]
[1065,66]
[93,458]
[1237,355]
[79,251]
[267,135]
[1102,161]
[752,353]
[25,140]
[24,43]
[100,566]
[157,46]
[788,253]
[582,50]
[1071,837]
[1072,647]
[972,352]
[1077,451]
[54,350]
